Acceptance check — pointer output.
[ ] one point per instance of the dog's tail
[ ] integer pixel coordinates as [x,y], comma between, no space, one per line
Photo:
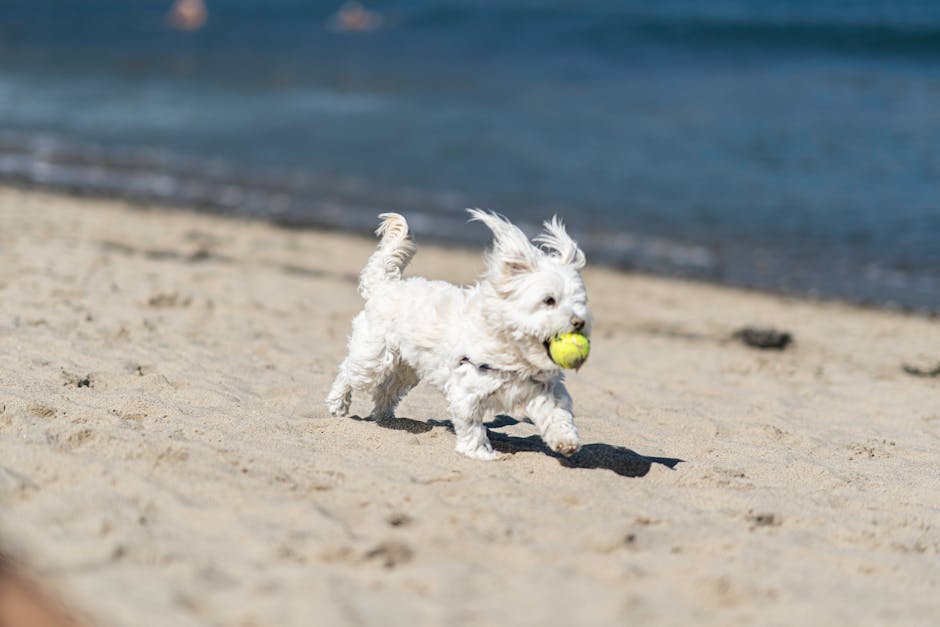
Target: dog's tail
[395,250]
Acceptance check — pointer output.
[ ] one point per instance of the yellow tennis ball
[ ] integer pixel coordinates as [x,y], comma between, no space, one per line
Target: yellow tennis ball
[569,350]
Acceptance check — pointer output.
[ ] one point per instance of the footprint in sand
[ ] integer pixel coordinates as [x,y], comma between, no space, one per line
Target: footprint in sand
[13,483]
[42,411]
[391,553]
[75,439]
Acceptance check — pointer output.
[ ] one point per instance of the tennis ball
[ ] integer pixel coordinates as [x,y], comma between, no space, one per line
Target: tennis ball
[569,350]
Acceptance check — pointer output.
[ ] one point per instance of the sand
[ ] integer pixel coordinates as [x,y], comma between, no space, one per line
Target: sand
[166,458]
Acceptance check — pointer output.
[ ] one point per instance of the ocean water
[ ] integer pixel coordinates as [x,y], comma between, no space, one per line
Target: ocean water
[790,145]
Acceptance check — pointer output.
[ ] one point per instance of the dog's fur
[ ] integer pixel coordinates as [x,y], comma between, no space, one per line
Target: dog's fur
[484,346]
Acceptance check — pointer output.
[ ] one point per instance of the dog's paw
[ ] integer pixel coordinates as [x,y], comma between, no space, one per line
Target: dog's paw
[481,453]
[484,455]
[339,407]
[566,447]
[563,440]
[338,410]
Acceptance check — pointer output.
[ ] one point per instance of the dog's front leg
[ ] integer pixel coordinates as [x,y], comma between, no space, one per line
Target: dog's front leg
[472,440]
[466,395]
[551,411]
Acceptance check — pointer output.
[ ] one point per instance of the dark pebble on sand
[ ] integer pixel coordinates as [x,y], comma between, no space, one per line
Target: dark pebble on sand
[399,520]
[764,339]
[764,519]
[922,372]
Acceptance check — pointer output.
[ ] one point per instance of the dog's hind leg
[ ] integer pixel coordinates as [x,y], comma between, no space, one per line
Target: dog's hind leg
[365,364]
[387,394]
[340,397]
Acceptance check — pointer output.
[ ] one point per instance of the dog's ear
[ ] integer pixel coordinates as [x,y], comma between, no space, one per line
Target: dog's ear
[512,255]
[556,238]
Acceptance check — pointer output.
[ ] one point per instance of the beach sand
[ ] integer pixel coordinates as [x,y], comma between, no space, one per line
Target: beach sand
[166,457]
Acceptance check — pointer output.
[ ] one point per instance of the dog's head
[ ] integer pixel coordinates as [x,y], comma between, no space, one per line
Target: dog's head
[536,293]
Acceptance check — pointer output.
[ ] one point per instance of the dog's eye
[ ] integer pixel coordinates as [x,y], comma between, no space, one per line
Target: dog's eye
[549,301]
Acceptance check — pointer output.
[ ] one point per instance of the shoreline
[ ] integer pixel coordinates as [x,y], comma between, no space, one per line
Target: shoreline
[144,202]
[166,457]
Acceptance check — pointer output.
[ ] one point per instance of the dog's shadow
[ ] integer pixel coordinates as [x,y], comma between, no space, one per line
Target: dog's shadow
[618,459]
[403,424]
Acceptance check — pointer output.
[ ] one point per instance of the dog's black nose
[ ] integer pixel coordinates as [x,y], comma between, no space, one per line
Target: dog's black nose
[577,323]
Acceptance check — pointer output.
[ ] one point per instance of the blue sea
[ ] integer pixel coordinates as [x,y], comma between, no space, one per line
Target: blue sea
[790,145]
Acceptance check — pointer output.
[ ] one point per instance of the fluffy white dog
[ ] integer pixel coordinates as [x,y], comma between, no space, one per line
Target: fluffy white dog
[484,346]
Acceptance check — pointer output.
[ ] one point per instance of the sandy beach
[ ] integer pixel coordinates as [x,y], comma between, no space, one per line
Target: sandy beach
[166,457]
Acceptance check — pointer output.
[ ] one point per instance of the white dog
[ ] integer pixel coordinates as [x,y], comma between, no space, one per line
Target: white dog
[484,346]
